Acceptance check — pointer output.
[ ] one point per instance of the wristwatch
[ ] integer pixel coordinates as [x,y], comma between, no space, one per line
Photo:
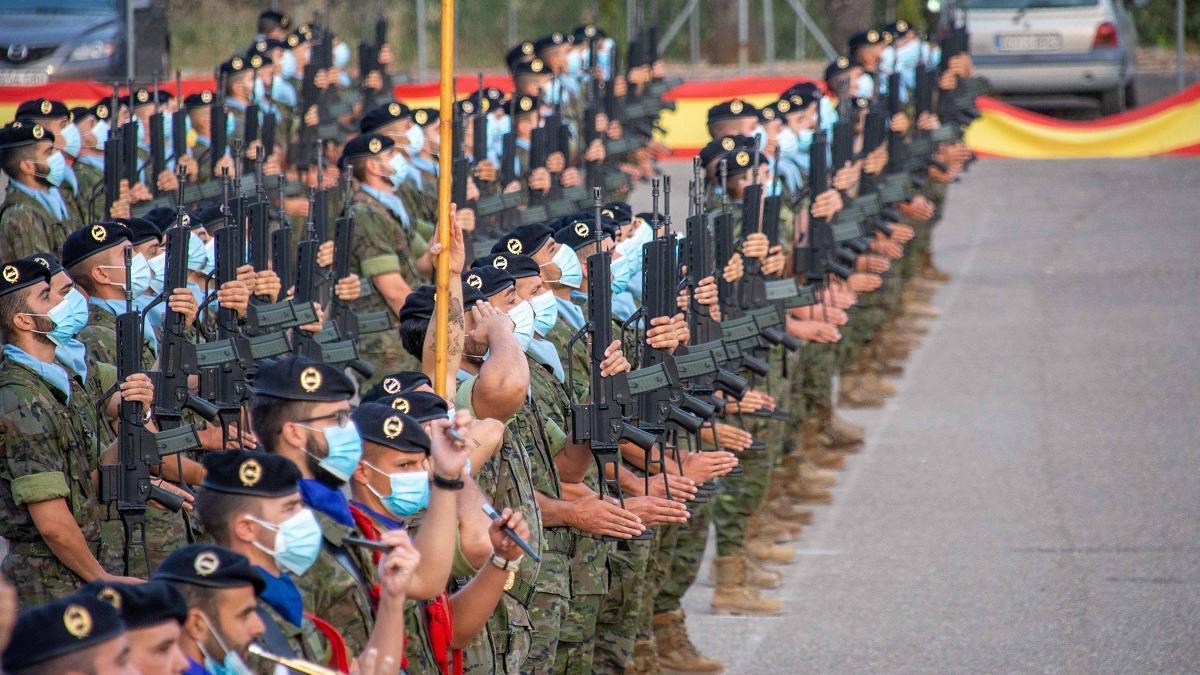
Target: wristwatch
[447,483]
[509,566]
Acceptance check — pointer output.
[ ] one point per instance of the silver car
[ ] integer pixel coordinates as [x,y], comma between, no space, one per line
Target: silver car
[1056,47]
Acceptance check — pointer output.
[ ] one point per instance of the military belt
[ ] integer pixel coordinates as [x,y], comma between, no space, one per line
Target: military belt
[521,591]
[559,540]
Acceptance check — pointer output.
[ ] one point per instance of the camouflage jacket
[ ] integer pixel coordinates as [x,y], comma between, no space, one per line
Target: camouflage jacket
[88,205]
[26,227]
[333,593]
[100,336]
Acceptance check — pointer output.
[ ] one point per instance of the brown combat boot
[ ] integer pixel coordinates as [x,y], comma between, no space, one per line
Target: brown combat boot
[807,493]
[676,653]
[733,596]
[645,659]
[843,433]
[758,550]
[777,531]
[826,459]
[821,478]
[919,309]
[782,510]
[922,287]
[875,384]
[930,271]
[854,393]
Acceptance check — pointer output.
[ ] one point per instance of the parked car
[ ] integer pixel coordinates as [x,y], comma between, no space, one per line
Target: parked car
[43,40]
[1057,47]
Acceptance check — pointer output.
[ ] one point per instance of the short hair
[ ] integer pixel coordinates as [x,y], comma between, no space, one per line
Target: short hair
[82,661]
[218,509]
[268,414]
[12,304]
[203,598]
[412,335]
[268,23]
[358,167]
[14,156]
[81,272]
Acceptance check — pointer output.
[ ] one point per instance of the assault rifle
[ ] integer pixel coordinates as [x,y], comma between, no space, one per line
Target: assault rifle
[158,143]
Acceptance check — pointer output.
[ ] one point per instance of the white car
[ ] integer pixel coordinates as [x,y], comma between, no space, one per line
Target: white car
[1056,47]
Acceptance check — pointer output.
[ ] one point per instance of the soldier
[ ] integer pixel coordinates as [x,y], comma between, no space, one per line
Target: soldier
[199,108]
[92,123]
[153,613]
[52,439]
[34,216]
[55,117]
[222,595]
[76,633]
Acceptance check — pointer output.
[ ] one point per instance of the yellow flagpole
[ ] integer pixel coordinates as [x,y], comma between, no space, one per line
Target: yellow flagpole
[441,307]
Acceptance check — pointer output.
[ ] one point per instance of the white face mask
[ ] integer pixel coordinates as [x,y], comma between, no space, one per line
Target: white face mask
[416,140]
[522,315]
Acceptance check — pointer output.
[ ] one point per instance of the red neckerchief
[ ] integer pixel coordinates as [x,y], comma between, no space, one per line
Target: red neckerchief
[369,531]
[441,631]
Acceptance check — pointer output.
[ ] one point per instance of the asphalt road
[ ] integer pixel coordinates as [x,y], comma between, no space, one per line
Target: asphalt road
[1028,502]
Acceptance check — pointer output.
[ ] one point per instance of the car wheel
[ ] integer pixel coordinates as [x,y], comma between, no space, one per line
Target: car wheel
[1110,101]
[1130,94]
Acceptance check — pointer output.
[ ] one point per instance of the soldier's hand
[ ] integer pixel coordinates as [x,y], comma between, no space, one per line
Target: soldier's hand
[118,579]
[845,178]
[941,176]
[947,80]
[827,204]
[730,437]
[864,283]
[872,263]
[139,193]
[775,262]
[331,179]
[593,515]
[325,254]
[887,247]
[813,331]
[620,87]
[369,663]
[166,181]
[595,151]
[465,220]
[656,510]
[271,165]
[706,292]
[662,333]
[705,466]
[311,117]
[397,567]
[187,497]
[570,178]
[472,190]
[183,302]
[928,121]
[901,233]
[225,162]
[876,160]
[252,150]
[556,162]
[348,288]
[918,208]
[834,316]
[682,334]
[321,80]
[234,295]
[502,544]
[447,455]
[734,269]
[120,205]
[137,388]
[614,360]
[190,166]
[489,322]
[295,206]
[211,438]
[485,170]
[373,81]
[458,247]
[683,489]
[900,123]
[615,132]
[267,284]
[539,179]
[385,55]
[756,245]
[514,186]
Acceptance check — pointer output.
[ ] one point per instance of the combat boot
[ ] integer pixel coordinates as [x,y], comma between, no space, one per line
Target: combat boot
[733,596]
[821,478]
[922,287]
[930,271]
[676,653]
[854,393]
[842,433]
[645,659]
[766,552]
[877,385]
[910,326]
[826,459]
[776,531]
[781,510]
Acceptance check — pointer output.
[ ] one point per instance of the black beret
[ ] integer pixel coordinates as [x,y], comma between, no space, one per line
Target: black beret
[608,224]
[42,108]
[254,474]
[143,230]
[198,99]
[524,239]
[276,16]
[531,67]
[418,305]
[89,240]
[894,30]
[18,274]
[264,46]
[163,217]
[256,60]
[519,266]
[210,215]
[17,134]
[519,53]
[60,627]
[79,112]
[721,146]
[730,110]
[234,65]
[587,32]
[492,94]
[139,97]
[210,566]
[836,67]
[396,383]
[47,260]
[653,219]
[482,100]
[864,38]
[296,39]
[382,116]
[141,605]
[524,105]
[422,406]
[487,280]
[554,39]
[366,145]
[423,117]
[622,212]
[579,233]
[297,378]
[389,427]
[801,95]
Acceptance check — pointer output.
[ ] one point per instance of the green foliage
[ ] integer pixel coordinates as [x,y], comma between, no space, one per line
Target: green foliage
[911,11]
[1156,22]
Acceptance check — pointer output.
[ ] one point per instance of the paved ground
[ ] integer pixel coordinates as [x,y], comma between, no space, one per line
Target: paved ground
[1028,502]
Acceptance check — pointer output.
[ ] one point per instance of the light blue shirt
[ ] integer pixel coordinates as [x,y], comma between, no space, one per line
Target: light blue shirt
[543,352]
[52,373]
[51,199]
[391,201]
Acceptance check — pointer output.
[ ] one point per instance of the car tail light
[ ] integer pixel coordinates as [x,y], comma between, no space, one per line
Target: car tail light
[1106,36]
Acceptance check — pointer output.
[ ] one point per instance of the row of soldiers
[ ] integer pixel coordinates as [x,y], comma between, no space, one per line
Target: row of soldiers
[221,308]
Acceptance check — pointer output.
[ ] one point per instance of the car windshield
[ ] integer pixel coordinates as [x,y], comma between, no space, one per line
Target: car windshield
[56,6]
[1023,4]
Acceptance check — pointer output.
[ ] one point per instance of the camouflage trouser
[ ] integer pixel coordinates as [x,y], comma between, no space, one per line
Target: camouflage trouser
[737,497]
[816,387]
[546,614]
[37,575]
[681,562]
[384,351]
[501,647]
[577,639]
[620,612]
[656,571]
[165,532]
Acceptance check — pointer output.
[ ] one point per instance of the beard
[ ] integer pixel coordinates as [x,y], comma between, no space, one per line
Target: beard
[311,457]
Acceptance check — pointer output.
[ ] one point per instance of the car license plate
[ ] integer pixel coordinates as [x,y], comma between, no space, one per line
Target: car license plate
[23,78]
[1029,42]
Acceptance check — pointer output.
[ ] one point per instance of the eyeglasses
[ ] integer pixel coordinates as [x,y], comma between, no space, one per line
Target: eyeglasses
[342,417]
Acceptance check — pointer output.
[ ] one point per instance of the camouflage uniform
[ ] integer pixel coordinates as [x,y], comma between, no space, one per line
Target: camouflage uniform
[306,641]
[26,227]
[51,447]
[507,479]
[88,204]
[382,246]
[333,594]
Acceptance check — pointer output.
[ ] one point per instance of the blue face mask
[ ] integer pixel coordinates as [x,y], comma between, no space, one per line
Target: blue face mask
[574,62]
[887,60]
[907,56]
[409,492]
[345,450]
[604,56]
[232,664]
[864,86]
[828,114]
[804,139]
[139,274]
[260,89]
[72,141]
[297,541]
[158,271]
[416,140]
[230,125]
[522,315]
[287,64]
[568,264]
[400,170]
[789,143]
[623,269]
[552,93]
[210,256]
[100,131]
[69,316]
[73,354]
[341,55]
[197,254]
[283,92]
[545,313]
[56,169]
